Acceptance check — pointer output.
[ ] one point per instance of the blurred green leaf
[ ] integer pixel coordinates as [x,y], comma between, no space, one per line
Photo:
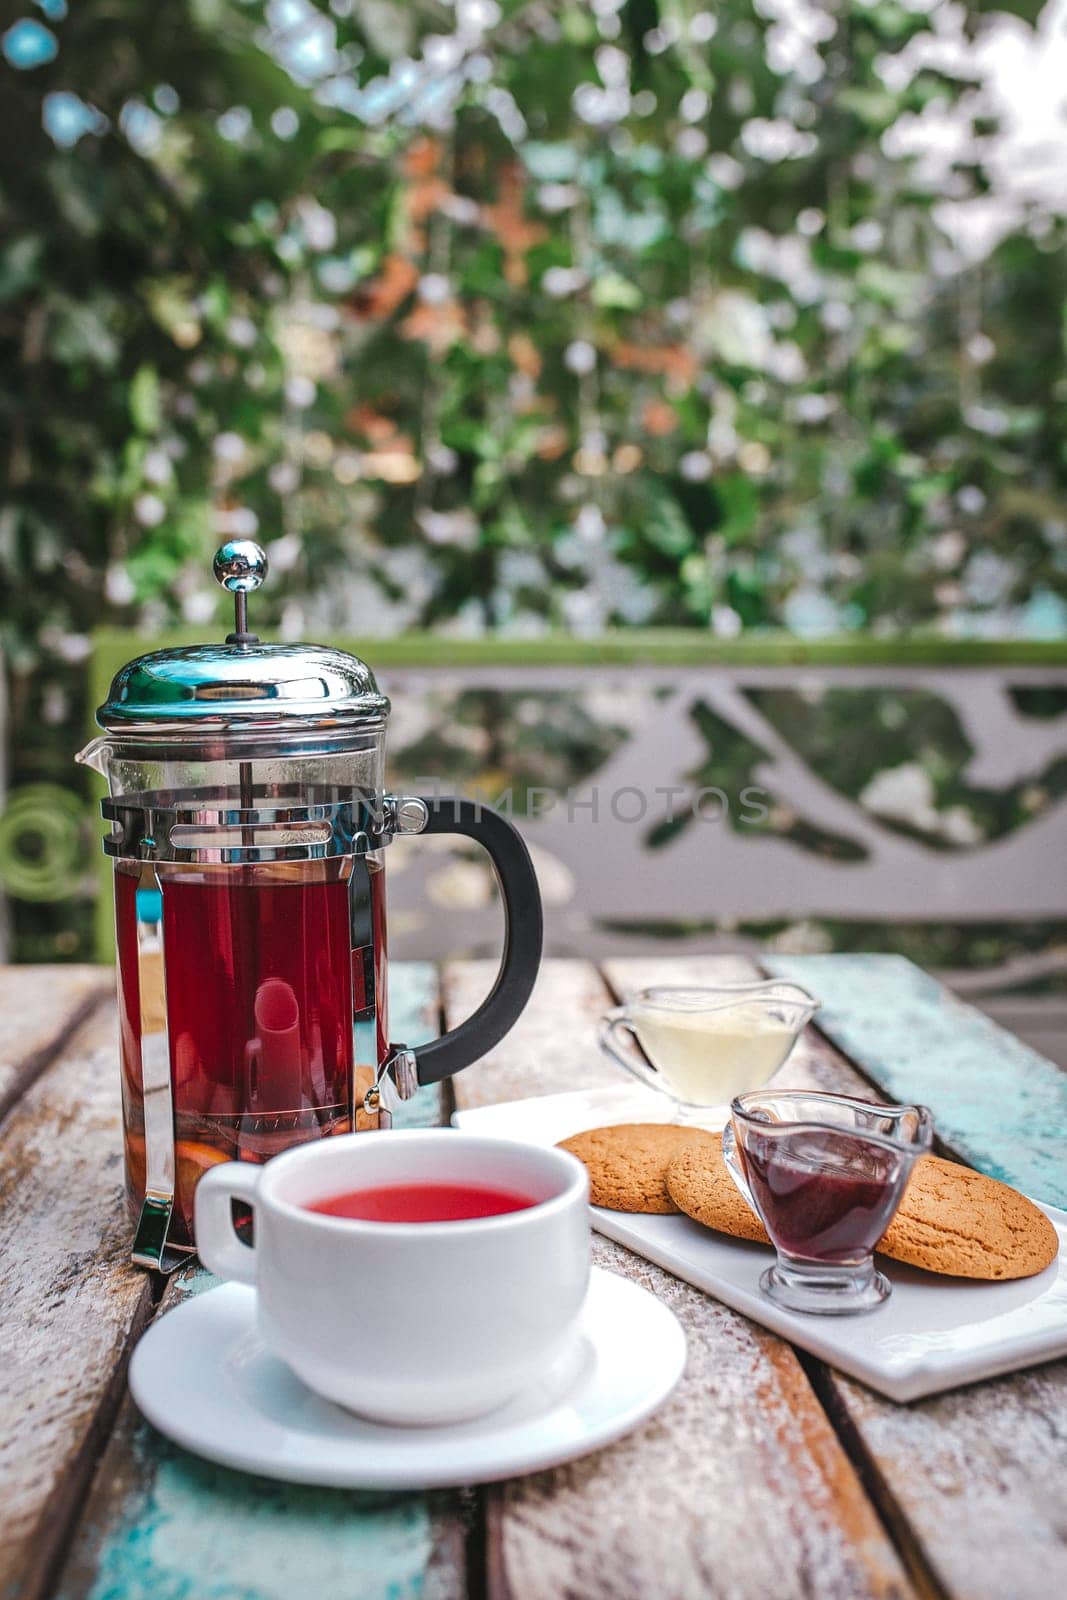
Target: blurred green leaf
[20,263]
[145,404]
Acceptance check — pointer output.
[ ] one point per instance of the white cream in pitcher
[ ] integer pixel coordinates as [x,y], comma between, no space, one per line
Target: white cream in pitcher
[709,1056]
[703,1044]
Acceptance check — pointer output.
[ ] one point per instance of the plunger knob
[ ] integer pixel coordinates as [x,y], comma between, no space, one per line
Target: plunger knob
[240,565]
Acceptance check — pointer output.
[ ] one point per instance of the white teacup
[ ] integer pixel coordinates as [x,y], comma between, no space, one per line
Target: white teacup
[410,1322]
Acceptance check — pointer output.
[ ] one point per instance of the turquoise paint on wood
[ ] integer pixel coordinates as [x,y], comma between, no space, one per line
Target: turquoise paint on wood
[413,1018]
[191,1530]
[196,1531]
[201,1532]
[996,1103]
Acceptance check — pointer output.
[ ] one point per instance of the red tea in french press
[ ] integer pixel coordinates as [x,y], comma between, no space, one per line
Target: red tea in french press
[249,822]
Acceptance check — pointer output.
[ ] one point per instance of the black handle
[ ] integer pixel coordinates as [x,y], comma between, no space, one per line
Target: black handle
[523,930]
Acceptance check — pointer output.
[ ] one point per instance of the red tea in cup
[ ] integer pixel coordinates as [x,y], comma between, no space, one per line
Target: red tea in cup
[421,1202]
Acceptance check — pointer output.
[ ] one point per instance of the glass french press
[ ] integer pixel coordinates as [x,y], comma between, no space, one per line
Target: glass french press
[248,822]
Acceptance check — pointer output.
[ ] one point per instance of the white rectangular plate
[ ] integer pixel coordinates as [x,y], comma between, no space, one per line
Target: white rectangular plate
[933,1333]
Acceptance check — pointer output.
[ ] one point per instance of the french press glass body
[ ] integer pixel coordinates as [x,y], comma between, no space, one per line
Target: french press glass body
[249,821]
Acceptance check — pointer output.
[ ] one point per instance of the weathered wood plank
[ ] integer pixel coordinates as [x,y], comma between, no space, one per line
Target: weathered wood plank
[976,1475]
[970,1483]
[160,1524]
[71,1303]
[998,1104]
[628,974]
[40,1008]
[551,1048]
[739,1486]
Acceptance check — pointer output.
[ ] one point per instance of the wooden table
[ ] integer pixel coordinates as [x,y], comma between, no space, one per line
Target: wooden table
[766,1474]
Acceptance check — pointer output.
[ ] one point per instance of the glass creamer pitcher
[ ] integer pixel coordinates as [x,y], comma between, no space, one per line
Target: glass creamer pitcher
[702,1045]
[249,821]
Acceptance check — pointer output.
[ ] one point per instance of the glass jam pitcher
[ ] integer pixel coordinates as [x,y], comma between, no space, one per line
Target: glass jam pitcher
[249,822]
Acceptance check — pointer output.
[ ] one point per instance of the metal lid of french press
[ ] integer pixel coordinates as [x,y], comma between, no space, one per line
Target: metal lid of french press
[243,685]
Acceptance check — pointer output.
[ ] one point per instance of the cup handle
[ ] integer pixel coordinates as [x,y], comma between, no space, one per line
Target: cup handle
[734,1167]
[218,1246]
[633,1064]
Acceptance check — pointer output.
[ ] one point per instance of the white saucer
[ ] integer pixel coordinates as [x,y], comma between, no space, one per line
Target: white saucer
[202,1376]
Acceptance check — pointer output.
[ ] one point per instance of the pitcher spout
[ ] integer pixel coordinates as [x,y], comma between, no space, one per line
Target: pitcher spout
[94,755]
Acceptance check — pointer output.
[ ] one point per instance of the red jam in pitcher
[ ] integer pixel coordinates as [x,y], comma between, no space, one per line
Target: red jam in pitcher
[823,1200]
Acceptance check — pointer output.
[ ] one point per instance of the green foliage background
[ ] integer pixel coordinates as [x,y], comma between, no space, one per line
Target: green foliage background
[519,316]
